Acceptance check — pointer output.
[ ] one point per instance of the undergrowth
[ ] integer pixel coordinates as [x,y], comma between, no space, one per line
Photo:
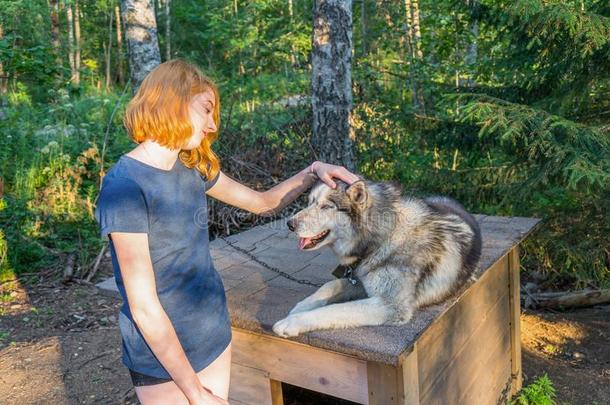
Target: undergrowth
[539,392]
[52,155]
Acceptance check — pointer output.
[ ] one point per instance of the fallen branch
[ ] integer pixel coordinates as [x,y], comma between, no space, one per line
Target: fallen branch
[96,265]
[563,300]
[106,353]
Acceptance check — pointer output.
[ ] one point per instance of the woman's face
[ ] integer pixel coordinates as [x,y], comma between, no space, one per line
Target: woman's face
[201,110]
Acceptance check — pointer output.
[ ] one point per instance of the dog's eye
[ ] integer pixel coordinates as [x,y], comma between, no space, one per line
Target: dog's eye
[325,206]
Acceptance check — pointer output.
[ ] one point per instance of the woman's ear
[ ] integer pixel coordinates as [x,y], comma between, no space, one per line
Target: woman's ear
[357,192]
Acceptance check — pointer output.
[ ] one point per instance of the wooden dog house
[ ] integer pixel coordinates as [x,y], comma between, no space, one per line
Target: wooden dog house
[464,351]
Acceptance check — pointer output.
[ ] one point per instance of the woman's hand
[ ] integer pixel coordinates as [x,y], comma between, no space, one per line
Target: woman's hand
[205,397]
[327,172]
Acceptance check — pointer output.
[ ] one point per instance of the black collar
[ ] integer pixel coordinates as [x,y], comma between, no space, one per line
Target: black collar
[347,271]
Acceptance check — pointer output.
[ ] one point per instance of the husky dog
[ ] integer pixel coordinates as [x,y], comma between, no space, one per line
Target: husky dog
[399,254]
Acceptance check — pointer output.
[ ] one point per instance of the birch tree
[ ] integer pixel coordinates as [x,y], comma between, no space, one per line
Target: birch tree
[414,52]
[141,36]
[71,48]
[168,31]
[119,45]
[472,52]
[77,42]
[108,49]
[332,82]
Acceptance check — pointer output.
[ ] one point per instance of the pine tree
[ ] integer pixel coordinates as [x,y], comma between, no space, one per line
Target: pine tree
[550,118]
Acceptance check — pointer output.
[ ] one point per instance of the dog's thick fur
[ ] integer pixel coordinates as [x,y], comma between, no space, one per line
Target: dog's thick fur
[412,252]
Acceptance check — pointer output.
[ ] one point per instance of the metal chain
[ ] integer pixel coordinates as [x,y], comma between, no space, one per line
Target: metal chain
[268,267]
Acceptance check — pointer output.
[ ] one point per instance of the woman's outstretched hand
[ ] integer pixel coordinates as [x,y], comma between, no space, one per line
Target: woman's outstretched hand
[327,172]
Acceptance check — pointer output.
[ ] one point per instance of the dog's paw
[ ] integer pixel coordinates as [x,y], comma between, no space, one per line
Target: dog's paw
[288,327]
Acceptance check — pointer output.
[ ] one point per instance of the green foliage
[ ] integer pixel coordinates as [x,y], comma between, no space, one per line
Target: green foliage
[563,152]
[539,392]
[517,95]
[50,163]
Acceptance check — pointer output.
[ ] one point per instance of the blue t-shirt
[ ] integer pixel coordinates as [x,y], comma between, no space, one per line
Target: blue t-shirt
[171,207]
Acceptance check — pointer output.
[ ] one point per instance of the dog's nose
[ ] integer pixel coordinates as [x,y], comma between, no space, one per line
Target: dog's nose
[290,224]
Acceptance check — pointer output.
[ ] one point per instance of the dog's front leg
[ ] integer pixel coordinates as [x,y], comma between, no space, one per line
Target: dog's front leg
[334,291]
[369,311]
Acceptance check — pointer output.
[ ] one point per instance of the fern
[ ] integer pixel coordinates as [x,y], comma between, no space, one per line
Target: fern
[539,392]
[560,151]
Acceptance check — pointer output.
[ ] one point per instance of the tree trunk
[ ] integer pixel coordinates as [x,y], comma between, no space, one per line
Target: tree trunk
[108,50]
[3,74]
[168,32]
[414,52]
[416,29]
[119,46]
[141,37]
[472,52]
[293,57]
[331,80]
[77,42]
[55,38]
[363,27]
[70,21]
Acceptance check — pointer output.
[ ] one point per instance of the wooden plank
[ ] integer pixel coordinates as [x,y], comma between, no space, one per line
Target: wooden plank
[249,385]
[492,380]
[515,319]
[298,364]
[448,334]
[384,383]
[277,397]
[410,377]
[485,345]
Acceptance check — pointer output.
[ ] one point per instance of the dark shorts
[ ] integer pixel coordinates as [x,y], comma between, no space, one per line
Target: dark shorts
[141,380]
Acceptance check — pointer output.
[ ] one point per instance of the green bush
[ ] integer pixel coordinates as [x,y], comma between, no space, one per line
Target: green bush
[539,392]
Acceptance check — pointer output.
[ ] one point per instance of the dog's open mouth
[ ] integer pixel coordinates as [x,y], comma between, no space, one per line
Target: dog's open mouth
[309,242]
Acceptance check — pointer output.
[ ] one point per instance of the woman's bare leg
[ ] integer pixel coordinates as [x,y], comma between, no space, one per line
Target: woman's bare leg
[215,377]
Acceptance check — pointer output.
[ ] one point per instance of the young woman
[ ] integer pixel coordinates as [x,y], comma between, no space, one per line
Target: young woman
[174,321]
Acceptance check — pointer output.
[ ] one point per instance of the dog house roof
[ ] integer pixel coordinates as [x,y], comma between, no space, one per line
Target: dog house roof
[265,275]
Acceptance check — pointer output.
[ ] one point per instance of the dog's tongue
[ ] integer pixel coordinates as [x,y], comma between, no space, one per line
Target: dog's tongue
[304,242]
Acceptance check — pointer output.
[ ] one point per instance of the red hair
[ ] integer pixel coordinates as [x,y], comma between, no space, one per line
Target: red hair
[159,111]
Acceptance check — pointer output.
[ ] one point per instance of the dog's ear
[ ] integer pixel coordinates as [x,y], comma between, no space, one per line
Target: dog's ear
[357,192]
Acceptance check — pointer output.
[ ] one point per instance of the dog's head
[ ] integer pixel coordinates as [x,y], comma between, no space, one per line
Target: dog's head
[331,215]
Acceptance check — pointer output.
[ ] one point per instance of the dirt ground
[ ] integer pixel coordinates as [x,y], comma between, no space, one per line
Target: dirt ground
[59,344]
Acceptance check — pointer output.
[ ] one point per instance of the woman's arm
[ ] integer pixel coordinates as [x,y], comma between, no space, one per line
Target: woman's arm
[276,198]
[138,276]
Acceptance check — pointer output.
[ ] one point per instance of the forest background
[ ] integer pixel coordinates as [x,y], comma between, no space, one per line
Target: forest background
[503,105]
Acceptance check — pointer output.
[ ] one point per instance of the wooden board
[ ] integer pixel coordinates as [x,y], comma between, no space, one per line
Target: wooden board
[249,385]
[385,384]
[277,397]
[515,319]
[443,340]
[481,353]
[294,363]
[471,338]
[410,376]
